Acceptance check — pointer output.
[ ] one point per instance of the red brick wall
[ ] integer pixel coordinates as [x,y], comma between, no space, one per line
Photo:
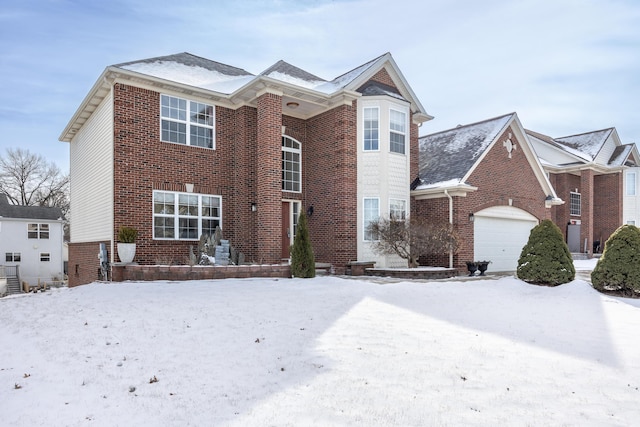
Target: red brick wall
[269,177]
[498,179]
[607,213]
[84,266]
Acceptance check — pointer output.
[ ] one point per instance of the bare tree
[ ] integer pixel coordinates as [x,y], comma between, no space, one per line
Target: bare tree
[412,238]
[29,180]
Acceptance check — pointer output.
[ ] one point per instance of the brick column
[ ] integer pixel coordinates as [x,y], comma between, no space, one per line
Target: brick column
[269,177]
[586,210]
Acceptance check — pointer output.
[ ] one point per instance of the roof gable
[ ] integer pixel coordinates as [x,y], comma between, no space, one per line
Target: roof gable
[448,159]
[449,155]
[589,143]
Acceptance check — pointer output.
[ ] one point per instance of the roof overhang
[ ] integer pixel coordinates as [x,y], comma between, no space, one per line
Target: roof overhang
[439,191]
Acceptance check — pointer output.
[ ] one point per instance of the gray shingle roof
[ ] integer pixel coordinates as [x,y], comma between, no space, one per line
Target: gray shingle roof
[291,70]
[186,58]
[589,143]
[8,210]
[450,154]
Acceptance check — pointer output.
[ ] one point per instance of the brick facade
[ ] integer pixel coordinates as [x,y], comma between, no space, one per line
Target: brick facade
[501,181]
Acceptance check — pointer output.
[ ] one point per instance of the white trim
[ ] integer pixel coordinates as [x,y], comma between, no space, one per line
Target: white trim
[364,217]
[297,151]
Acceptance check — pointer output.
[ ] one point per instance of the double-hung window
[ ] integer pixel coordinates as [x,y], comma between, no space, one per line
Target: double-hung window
[291,166]
[187,122]
[12,257]
[631,183]
[397,210]
[185,216]
[38,231]
[371,215]
[371,128]
[574,204]
[45,257]
[397,131]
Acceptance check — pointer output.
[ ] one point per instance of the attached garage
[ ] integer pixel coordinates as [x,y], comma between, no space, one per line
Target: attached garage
[499,234]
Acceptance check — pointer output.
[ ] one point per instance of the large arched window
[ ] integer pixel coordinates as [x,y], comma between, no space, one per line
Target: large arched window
[291,165]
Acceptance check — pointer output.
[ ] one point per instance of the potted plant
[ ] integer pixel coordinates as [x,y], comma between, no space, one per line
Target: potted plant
[472,266]
[482,266]
[127,243]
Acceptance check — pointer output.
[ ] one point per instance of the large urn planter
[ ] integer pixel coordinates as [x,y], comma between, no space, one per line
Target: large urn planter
[126,252]
[480,266]
[127,244]
[472,266]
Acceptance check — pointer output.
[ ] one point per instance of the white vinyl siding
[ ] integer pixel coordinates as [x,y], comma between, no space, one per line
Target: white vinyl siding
[91,177]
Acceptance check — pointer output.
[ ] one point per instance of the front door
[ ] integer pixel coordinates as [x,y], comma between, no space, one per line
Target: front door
[286,229]
[573,237]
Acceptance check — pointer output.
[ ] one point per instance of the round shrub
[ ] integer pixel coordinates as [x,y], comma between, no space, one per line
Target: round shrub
[545,259]
[618,270]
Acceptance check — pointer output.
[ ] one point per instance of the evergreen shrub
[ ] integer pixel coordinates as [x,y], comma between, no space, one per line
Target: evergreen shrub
[302,259]
[618,270]
[545,259]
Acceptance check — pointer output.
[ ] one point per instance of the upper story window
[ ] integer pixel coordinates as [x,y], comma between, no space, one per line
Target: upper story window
[397,131]
[397,209]
[371,128]
[291,165]
[631,183]
[38,231]
[187,122]
[371,214]
[574,204]
[12,257]
[185,216]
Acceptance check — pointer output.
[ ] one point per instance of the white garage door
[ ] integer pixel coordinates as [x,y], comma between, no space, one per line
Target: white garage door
[500,232]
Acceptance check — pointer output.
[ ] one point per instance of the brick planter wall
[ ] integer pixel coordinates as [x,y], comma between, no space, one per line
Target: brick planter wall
[123,272]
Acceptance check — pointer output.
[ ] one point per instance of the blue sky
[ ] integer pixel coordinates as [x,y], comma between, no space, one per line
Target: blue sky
[565,66]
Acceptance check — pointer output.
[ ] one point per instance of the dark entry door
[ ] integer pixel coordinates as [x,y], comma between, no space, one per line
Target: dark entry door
[286,230]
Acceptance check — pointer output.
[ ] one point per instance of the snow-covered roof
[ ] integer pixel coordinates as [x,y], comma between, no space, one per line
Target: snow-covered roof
[589,143]
[620,155]
[192,70]
[200,72]
[233,87]
[447,156]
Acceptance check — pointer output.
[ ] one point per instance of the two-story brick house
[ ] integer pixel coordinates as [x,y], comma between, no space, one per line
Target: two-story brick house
[177,145]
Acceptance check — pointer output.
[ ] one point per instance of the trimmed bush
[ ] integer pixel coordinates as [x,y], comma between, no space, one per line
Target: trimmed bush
[545,259]
[618,270]
[303,262]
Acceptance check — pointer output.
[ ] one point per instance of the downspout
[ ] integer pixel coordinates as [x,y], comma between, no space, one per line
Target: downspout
[446,192]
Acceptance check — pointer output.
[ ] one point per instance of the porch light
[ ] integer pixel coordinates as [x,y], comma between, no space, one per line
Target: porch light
[471,217]
[292,105]
[310,210]
[254,207]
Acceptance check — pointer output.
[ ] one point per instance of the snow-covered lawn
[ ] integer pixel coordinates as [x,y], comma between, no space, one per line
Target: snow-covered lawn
[321,352]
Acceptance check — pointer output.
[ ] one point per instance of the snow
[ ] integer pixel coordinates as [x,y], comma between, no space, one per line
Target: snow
[287,78]
[328,351]
[191,75]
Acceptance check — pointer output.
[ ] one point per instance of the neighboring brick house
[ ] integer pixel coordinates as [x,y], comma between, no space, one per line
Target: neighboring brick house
[589,171]
[176,145]
[495,181]
[32,238]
